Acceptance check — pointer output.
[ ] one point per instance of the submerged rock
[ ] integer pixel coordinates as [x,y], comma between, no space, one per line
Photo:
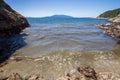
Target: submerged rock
[101,76]
[33,77]
[108,76]
[11,22]
[3,64]
[14,76]
[87,71]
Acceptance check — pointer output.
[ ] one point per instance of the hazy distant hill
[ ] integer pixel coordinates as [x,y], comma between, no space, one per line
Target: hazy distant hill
[110,13]
[59,16]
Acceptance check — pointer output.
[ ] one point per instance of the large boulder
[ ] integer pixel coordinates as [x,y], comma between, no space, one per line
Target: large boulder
[11,22]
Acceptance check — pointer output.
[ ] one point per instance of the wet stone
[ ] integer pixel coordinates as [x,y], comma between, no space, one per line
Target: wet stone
[3,64]
[14,76]
[33,77]
[88,72]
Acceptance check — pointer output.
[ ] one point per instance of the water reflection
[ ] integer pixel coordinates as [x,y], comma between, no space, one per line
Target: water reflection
[8,45]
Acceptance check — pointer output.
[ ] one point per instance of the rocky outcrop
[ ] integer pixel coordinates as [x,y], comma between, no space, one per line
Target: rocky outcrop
[115,19]
[113,28]
[11,22]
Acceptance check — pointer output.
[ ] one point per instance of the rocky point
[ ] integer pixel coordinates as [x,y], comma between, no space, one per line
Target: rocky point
[11,22]
[113,28]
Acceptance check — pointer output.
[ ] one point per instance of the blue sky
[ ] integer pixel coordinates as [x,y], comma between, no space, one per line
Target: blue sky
[76,8]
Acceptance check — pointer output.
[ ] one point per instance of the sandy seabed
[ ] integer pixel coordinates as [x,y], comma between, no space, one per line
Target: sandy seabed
[57,64]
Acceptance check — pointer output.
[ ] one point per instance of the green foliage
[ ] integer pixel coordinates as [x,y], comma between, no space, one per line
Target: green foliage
[110,13]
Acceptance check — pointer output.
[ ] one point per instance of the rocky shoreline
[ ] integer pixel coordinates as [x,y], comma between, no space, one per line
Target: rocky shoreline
[113,28]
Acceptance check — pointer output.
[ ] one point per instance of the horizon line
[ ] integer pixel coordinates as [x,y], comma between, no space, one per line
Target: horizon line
[60,14]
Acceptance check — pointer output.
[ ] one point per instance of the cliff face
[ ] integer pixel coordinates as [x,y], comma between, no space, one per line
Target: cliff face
[11,22]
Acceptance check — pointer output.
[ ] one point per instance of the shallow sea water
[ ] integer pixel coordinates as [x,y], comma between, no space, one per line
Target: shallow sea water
[48,35]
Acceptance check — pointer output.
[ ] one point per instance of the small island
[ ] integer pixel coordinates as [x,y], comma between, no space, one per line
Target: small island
[59,16]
